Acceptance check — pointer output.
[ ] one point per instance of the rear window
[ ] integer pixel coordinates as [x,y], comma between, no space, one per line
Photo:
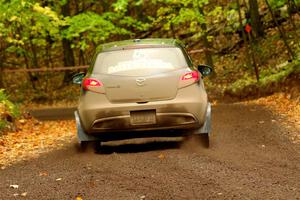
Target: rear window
[140,62]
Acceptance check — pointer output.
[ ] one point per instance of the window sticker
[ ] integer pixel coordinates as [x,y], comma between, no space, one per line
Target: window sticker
[140,64]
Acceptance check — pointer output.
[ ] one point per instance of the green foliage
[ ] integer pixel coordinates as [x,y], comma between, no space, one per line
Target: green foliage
[2,125]
[6,108]
[27,24]
[268,78]
[232,19]
[178,13]
[12,109]
[277,3]
[120,6]
[239,85]
[90,27]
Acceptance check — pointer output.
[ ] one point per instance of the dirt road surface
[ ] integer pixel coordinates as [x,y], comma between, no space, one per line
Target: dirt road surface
[250,158]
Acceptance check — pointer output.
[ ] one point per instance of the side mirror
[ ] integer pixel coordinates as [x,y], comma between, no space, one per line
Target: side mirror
[205,70]
[77,78]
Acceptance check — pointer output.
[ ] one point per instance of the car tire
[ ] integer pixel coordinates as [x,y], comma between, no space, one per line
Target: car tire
[98,146]
[204,139]
[83,145]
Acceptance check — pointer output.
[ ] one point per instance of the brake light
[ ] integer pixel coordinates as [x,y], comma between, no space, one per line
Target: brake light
[191,75]
[189,79]
[91,84]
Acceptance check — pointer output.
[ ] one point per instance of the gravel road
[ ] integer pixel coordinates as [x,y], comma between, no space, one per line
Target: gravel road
[250,158]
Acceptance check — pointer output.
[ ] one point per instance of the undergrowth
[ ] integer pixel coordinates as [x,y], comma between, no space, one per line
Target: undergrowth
[269,80]
[8,111]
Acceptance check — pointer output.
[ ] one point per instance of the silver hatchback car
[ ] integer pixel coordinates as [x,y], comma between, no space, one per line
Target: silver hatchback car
[136,88]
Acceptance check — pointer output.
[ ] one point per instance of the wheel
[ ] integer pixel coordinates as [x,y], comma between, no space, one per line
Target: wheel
[204,139]
[82,146]
[98,146]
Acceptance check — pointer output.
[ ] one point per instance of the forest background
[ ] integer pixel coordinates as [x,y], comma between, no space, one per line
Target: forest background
[252,45]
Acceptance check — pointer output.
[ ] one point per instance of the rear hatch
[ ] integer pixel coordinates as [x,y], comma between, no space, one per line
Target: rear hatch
[140,75]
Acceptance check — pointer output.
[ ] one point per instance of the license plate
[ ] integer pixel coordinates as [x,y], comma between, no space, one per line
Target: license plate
[143,117]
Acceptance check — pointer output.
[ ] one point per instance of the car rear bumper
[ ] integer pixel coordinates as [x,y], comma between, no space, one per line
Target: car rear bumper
[186,111]
[121,135]
[108,136]
[163,121]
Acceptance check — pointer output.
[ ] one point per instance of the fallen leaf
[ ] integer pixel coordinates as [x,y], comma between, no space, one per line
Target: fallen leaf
[161,156]
[24,194]
[78,198]
[14,186]
[22,121]
[43,174]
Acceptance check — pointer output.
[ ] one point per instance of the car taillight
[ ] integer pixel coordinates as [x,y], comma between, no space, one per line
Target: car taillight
[91,84]
[191,75]
[189,79]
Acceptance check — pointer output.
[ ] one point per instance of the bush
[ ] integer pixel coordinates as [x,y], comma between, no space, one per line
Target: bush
[271,80]
[8,111]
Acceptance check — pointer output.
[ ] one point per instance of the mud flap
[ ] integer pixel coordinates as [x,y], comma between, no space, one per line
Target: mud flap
[81,135]
[206,128]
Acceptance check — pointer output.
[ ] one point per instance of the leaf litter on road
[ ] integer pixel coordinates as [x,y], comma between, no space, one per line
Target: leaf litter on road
[34,138]
[288,109]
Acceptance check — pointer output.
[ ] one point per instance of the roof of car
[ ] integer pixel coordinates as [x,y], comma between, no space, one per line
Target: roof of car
[138,42]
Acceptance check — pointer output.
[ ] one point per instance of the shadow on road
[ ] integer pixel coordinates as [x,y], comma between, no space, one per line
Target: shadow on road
[135,148]
[131,147]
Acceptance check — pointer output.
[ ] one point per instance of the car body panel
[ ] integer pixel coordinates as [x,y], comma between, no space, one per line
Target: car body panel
[128,89]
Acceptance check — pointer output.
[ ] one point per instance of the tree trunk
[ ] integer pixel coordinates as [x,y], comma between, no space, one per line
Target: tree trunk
[282,33]
[106,4]
[2,48]
[243,33]
[32,78]
[295,6]
[208,53]
[252,52]
[1,73]
[173,31]
[69,58]
[81,60]
[34,59]
[291,7]
[206,43]
[256,23]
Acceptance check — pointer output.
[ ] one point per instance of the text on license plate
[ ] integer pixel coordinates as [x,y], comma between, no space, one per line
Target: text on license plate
[143,117]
